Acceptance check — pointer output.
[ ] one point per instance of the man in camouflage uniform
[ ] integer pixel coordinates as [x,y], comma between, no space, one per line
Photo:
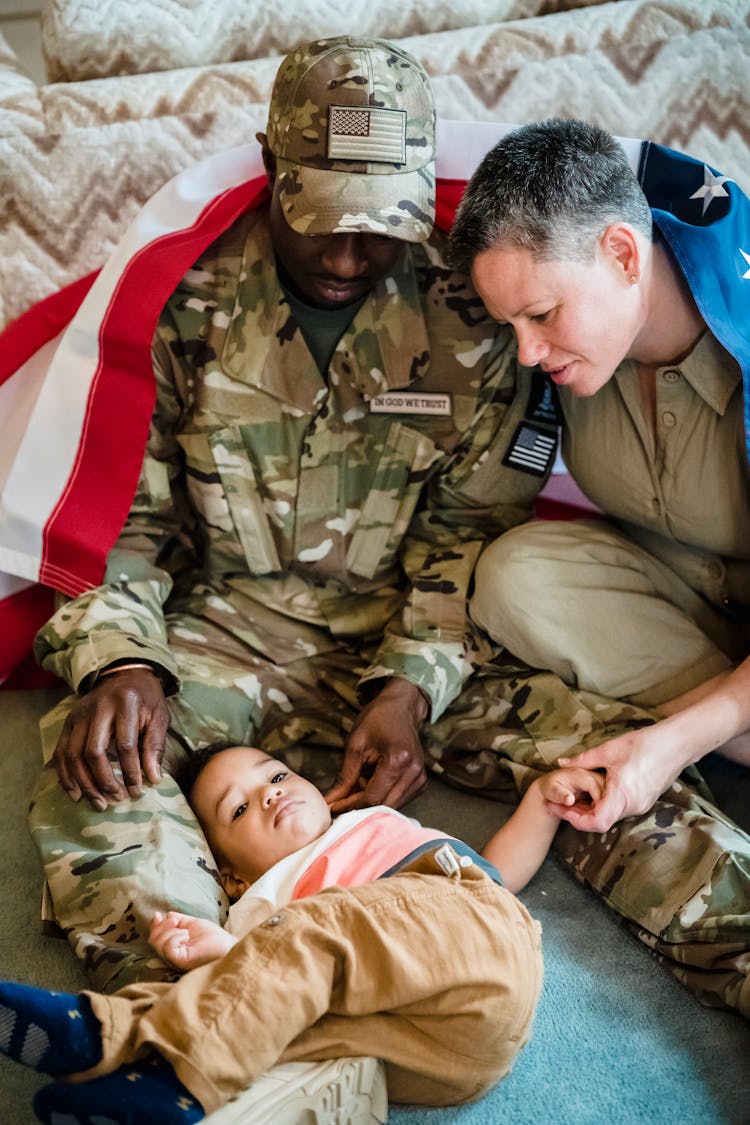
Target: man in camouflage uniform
[332,446]
[323,468]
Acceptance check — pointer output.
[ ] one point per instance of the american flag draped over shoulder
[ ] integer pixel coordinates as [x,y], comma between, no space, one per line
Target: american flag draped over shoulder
[705,220]
[76,382]
[77,393]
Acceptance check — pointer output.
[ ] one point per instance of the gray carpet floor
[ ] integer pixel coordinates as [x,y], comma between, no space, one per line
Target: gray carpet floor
[617,1040]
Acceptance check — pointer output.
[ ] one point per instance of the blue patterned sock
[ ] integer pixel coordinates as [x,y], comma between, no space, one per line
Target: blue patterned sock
[147,1093]
[55,1032]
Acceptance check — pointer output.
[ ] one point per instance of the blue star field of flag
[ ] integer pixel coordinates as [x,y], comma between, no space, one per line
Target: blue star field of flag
[704,218]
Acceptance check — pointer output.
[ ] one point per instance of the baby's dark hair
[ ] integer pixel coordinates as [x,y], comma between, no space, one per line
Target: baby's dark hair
[192,769]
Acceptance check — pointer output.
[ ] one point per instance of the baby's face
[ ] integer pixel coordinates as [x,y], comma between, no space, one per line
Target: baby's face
[254,811]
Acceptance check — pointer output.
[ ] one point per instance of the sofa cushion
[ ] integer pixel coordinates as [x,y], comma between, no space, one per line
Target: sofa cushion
[85,39]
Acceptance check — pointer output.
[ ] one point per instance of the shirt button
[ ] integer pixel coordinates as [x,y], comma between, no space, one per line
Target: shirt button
[274,920]
[671,376]
[668,419]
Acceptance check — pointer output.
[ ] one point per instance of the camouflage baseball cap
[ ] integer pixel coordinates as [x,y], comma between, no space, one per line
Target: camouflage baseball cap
[351,123]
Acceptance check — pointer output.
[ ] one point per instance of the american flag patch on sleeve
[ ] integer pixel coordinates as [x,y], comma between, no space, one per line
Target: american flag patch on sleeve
[361,133]
[532,449]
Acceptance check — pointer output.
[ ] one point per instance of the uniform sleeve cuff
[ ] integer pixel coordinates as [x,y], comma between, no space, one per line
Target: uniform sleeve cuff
[438,671]
[87,665]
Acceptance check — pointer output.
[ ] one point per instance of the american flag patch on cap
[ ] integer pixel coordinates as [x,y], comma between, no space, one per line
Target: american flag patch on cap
[361,133]
[532,450]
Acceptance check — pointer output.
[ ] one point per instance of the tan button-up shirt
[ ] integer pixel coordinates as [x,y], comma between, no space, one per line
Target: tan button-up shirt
[682,492]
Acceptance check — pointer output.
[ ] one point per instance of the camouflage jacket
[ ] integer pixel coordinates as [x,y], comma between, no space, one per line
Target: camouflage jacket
[355,505]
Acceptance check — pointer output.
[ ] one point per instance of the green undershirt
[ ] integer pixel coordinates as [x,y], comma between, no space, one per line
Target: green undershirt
[321,328]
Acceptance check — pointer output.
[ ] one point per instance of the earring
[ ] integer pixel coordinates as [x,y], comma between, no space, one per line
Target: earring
[633,278]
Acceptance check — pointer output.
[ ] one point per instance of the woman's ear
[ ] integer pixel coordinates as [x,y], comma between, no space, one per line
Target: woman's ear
[234,884]
[619,245]
[269,160]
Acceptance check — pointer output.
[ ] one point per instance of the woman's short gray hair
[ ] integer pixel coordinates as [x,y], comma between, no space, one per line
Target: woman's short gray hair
[552,187]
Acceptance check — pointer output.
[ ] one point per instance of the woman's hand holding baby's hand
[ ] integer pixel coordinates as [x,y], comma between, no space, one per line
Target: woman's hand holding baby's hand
[571,788]
[186,942]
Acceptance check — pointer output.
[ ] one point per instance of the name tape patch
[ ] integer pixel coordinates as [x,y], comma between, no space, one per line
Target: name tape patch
[411,402]
[532,450]
[361,133]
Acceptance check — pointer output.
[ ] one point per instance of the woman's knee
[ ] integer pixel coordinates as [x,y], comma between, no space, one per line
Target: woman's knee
[513,579]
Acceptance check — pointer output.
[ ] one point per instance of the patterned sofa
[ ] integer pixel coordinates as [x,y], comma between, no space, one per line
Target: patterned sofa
[139,90]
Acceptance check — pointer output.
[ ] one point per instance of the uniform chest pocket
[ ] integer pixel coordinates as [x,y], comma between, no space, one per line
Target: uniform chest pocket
[395,488]
[244,500]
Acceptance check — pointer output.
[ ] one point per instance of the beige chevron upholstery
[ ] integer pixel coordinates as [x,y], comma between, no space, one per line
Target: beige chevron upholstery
[100,38]
[142,88]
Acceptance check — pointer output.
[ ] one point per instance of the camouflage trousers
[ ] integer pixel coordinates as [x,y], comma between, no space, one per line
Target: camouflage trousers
[678,876]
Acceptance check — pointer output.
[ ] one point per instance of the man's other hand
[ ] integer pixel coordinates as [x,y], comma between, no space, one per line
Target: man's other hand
[384,760]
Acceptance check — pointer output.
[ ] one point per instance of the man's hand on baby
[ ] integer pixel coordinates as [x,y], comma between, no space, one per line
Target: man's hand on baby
[571,789]
[122,720]
[186,942]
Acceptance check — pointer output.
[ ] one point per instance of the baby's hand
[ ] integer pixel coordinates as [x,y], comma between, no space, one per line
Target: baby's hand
[571,787]
[186,942]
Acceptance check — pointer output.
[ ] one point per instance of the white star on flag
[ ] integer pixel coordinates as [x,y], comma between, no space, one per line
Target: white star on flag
[746,274]
[711,188]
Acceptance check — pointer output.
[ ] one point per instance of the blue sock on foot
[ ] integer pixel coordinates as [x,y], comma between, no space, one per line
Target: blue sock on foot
[147,1093]
[55,1032]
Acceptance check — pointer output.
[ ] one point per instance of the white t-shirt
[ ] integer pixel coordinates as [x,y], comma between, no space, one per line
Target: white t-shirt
[358,848]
